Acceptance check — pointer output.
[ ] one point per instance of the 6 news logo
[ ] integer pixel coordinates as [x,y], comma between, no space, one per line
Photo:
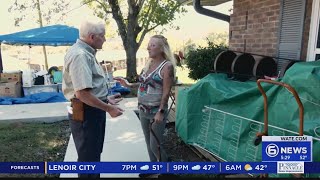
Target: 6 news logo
[289,152]
[286,148]
[272,150]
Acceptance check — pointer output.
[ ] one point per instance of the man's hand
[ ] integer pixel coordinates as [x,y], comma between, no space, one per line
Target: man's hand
[114,99]
[115,111]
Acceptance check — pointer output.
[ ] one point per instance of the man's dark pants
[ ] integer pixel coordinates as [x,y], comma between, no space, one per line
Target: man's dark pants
[88,136]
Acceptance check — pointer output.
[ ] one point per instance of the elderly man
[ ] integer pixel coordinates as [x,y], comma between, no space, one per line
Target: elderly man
[85,86]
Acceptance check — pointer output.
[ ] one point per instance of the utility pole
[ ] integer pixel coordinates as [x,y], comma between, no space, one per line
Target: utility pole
[44,48]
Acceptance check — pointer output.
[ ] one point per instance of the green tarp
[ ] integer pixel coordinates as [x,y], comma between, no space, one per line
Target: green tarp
[223,116]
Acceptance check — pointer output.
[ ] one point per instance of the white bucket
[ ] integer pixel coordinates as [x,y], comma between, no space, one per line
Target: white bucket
[27,78]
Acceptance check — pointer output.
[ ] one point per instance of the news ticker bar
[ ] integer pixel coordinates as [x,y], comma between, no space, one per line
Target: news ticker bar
[160,167]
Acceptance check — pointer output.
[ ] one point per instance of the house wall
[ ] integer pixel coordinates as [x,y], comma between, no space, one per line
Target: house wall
[254,26]
[306,30]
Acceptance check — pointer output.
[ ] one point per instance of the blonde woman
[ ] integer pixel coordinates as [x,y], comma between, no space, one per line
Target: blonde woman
[155,83]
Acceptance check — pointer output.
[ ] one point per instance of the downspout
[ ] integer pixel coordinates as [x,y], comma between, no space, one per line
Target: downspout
[1,66]
[199,9]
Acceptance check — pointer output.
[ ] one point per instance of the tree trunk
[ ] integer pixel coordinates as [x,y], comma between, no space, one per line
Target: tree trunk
[131,53]
[132,46]
[128,33]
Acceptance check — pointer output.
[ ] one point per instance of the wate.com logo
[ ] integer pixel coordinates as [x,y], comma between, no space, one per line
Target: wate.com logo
[290,167]
[272,150]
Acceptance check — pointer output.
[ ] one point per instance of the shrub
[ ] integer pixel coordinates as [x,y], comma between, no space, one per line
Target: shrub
[200,61]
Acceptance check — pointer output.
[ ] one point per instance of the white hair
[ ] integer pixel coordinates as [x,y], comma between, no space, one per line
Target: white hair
[88,27]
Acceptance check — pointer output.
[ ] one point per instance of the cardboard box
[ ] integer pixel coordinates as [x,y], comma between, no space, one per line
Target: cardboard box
[10,89]
[11,77]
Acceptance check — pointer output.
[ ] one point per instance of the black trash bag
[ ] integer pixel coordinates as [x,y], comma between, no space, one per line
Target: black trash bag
[39,80]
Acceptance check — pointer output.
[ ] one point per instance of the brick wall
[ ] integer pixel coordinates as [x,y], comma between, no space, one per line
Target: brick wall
[254,26]
[306,30]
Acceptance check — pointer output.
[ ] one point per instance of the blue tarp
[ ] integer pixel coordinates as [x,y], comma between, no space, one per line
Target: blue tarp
[119,89]
[44,97]
[56,35]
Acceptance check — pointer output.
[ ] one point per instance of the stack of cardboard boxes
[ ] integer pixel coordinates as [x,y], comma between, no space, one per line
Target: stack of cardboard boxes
[10,84]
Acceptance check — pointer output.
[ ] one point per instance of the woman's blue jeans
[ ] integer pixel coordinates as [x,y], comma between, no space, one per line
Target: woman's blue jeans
[158,128]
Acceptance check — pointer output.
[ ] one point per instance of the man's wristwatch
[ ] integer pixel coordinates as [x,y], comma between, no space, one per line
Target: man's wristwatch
[161,110]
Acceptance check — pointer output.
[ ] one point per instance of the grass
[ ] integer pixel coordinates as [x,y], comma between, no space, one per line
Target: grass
[33,142]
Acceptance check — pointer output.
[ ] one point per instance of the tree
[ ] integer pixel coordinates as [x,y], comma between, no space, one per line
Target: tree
[135,18]
[25,7]
[218,38]
[189,46]
[30,8]
[200,61]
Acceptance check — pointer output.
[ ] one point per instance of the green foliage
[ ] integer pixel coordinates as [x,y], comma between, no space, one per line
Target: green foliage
[155,13]
[189,46]
[218,38]
[135,19]
[201,60]
[152,14]
[99,9]
[49,8]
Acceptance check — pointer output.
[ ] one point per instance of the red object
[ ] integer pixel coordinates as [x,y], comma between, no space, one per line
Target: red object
[181,55]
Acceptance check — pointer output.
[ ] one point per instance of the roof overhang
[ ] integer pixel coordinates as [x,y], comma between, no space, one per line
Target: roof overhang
[204,2]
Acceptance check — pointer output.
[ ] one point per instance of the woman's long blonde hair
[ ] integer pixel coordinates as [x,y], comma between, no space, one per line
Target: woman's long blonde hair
[167,54]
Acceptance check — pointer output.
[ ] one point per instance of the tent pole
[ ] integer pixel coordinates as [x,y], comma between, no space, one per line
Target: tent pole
[43,47]
[1,66]
[45,58]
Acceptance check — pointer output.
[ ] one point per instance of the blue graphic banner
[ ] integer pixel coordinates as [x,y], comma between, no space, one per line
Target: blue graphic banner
[248,167]
[106,167]
[22,167]
[194,167]
[286,148]
[160,167]
[312,167]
